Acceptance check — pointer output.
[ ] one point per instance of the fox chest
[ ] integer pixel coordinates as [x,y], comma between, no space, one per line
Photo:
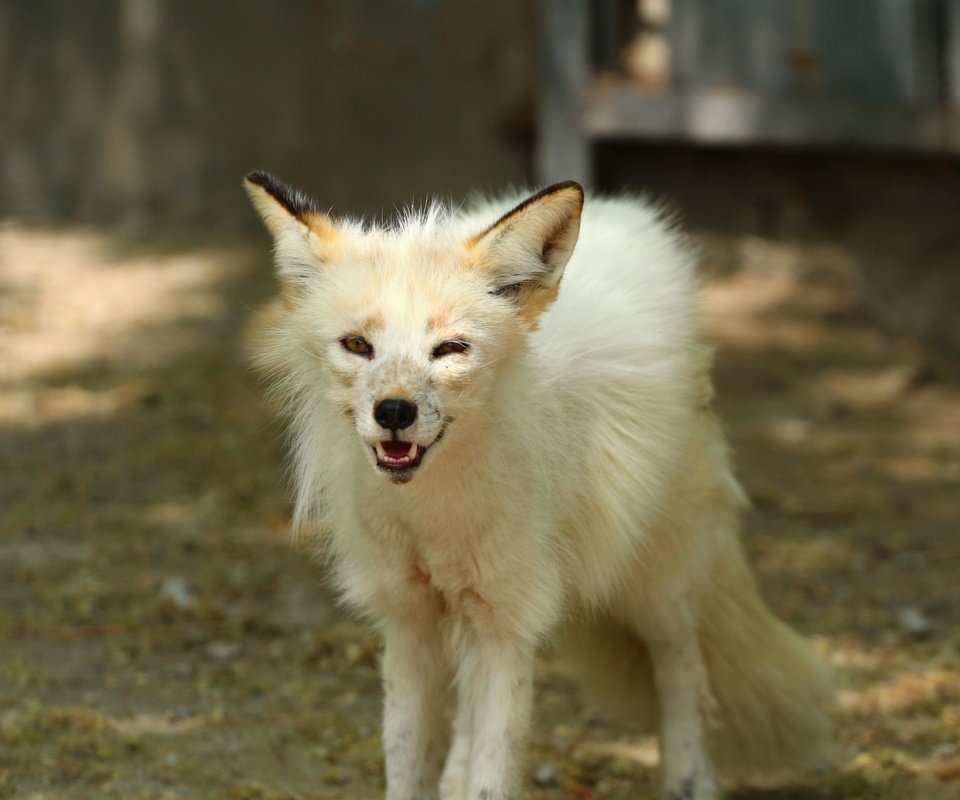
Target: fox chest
[460,554]
[406,565]
[443,564]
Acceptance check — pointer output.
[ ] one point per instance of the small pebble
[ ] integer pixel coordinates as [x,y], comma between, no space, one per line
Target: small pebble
[545,775]
[913,621]
[177,591]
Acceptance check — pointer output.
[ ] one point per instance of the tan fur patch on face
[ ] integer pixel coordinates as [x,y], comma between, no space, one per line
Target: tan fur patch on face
[469,262]
[373,322]
[453,380]
[437,322]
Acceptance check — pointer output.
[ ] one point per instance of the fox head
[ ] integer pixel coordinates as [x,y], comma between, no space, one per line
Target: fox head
[403,329]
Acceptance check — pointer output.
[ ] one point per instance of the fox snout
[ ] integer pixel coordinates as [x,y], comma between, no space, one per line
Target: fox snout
[397,456]
[395,413]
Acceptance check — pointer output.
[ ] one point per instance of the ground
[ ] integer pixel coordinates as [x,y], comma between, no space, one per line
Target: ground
[164,637]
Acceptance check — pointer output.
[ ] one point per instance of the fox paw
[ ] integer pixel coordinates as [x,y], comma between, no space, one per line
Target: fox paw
[692,787]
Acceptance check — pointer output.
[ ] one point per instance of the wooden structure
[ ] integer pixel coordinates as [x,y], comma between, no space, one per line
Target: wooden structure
[856,73]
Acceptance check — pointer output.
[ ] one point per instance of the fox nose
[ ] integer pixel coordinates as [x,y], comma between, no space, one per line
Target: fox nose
[395,413]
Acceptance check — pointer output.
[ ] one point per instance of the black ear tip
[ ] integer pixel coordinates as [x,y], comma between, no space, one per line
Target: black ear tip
[295,201]
[260,178]
[564,187]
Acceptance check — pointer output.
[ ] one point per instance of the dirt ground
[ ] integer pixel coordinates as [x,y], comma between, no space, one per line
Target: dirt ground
[162,637]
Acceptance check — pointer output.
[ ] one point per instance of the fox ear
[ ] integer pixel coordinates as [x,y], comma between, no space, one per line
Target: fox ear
[301,233]
[525,251]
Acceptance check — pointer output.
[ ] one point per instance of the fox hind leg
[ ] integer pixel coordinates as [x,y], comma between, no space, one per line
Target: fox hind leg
[680,680]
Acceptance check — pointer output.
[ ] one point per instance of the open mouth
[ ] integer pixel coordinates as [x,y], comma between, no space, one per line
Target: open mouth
[401,459]
[398,456]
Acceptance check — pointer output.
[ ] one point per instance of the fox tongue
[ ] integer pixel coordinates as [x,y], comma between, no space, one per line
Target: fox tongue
[397,455]
[396,449]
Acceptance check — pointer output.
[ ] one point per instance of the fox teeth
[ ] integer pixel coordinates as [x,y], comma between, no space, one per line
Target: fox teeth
[413,451]
[381,453]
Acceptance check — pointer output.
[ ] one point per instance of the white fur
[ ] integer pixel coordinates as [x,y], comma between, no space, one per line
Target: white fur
[581,479]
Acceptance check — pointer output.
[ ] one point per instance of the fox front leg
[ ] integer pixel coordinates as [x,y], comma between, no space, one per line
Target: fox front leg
[453,781]
[415,683]
[496,684]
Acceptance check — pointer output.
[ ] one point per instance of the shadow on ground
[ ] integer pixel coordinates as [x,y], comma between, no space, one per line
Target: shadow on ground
[163,638]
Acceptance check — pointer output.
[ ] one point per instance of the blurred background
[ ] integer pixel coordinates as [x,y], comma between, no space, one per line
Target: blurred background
[163,637]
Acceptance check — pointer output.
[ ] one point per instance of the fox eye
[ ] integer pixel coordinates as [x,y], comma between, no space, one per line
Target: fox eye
[452,346]
[358,345]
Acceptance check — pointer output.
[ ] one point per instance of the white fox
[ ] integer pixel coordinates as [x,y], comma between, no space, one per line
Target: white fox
[494,457]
